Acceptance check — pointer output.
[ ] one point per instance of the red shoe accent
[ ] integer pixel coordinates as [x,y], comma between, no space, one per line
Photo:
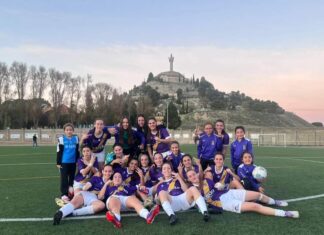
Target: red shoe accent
[112,218]
[153,213]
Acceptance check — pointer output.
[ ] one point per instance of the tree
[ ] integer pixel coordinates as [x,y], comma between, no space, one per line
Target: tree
[150,77]
[42,83]
[179,96]
[19,75]
[171,114]
[317,124]
[58,83]
[4,79]
[74,92]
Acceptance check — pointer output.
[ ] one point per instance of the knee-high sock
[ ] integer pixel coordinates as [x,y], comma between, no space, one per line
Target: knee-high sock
[88,210]
[167,208]
[67,209]
[201,204]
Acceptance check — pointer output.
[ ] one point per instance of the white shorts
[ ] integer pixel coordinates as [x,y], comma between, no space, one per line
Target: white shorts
[78,185]
[100,156]
[180,203]
[233,199]
[88,198]
[122,200]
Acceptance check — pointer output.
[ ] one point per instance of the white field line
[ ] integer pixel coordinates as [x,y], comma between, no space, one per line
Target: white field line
[30,178]
[28,164]
[124,215]
[24,154]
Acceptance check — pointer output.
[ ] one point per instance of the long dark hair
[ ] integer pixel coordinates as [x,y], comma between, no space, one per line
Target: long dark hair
[135,175]
[222,121]
[129,130]
[145,127]
[149,134]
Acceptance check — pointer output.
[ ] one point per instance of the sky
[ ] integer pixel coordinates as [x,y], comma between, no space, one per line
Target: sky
[271,50]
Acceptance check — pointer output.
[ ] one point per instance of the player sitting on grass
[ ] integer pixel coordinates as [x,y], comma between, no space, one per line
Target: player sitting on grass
[240,145]
[187,164]
[245,173]
[174,195]
[238,200]
[86,202]
[117,158]
[121,197]
[175,155]
[221,175]
[87,167]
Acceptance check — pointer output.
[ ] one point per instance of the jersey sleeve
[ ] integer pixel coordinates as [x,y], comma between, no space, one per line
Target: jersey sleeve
[164,133]
[59,150]
[226,139]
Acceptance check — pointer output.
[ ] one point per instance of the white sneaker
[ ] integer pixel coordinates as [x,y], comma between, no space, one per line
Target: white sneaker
[292,214]
[281,203]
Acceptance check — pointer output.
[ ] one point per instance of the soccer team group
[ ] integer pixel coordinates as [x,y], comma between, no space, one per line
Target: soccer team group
[147,170]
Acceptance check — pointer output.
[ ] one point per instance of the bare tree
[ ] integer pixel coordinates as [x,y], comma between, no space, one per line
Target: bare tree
[4,77]
[57,82]
[19,75]
[39,81]
[32,74]
[75,91]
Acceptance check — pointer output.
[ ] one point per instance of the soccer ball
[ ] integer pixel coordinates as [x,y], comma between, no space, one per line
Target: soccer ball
[259,173]
[219,186]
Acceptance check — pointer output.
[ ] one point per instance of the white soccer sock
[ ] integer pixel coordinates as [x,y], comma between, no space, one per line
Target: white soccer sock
[280,213]
[118,216]
[144,213]
[271,201]
[201,204]
[88,210]
[167,208]
[67,209]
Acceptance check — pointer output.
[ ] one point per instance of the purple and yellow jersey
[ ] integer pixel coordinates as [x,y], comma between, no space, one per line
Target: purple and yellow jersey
[196,169]
[162,133]
[222,140]
[206,148]
[155,176]
[121,190]
[237,149]
[223,177]
[96,184]
[175,160]
[97,144]
[131,179]
[172,186]
[245,172]
[211,194]
[81,165]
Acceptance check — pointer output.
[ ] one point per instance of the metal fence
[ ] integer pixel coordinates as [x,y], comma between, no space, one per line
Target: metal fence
[259,136]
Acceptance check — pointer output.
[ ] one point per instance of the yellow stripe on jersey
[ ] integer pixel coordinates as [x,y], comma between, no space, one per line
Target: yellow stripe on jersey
[172,185]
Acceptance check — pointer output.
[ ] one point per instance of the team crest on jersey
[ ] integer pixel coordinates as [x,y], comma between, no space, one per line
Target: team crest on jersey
[213,142]
[244,147]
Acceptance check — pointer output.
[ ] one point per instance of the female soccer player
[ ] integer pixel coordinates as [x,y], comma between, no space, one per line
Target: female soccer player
[97,138]
[121,197]
[158,139]
[240,145]
[222,137]
[132,174]
[175,195]
[87,167]
[67,156]
[86,202]
[117,158]
[245,170]
[175,155]
[238,200]
[206,149]
[128,138]
[141,126]
[188,164]
[222,174]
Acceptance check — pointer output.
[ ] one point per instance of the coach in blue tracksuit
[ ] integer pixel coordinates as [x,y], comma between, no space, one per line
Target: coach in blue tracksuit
[207,146]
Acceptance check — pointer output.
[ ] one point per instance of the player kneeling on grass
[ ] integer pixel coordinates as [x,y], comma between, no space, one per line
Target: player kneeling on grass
[122,197]
[86,202]
[175,195]
[245,170]
[222,176]
[87,167]
[238,200]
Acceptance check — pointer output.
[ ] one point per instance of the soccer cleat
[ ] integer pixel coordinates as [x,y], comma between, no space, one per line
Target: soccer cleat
[148,202]
[57,217]
[281,203]
[206,216]
[112,218]
[59,202]
[172,219]
[153,213]
[292,214]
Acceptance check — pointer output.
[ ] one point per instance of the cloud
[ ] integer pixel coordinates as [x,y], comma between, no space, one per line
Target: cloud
[293,78]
